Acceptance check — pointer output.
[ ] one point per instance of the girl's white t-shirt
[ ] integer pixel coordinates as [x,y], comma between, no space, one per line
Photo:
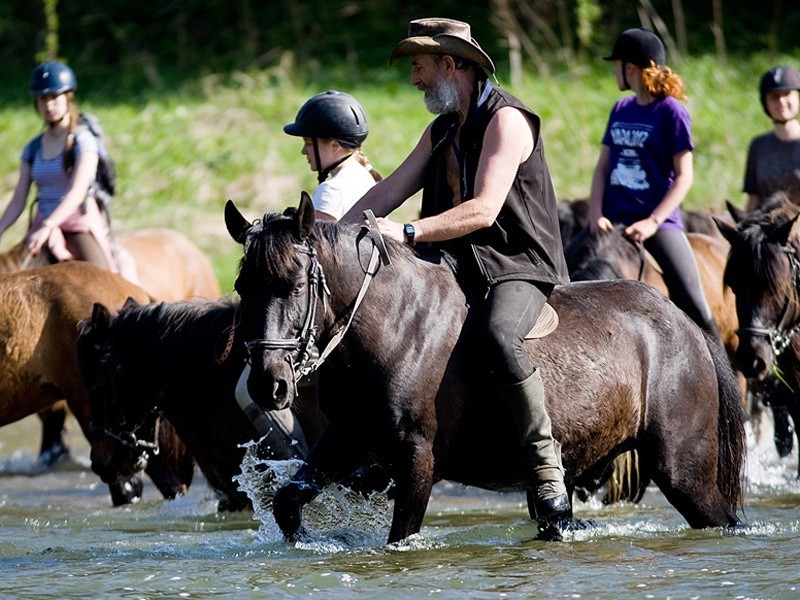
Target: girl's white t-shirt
[337,194]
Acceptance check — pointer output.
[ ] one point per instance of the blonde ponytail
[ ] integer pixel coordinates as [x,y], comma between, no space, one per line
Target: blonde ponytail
[364,162]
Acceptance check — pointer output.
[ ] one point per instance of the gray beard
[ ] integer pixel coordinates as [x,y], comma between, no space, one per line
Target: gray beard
[442,99]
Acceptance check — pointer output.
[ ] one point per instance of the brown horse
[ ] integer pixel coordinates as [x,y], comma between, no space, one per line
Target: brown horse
[41,309]
[625,369]
[763,270]
[170,267]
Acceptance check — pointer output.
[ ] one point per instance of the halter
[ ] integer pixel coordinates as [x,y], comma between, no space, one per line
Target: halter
[781,336]
[128,439]
[317,287]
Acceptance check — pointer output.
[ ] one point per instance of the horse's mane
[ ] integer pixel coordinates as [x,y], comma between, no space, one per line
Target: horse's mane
[270,244]
[596,253]
[755,232]
[596,270]
[185,328]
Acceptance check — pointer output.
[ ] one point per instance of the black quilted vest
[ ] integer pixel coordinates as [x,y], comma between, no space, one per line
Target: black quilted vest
[524,242]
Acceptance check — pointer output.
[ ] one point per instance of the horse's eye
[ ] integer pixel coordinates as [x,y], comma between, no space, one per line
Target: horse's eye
[298,289]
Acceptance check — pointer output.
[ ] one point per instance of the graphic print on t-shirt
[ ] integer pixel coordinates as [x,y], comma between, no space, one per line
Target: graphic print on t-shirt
[628,171]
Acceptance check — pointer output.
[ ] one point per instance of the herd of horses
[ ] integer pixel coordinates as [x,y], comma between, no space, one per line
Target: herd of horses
[151,372]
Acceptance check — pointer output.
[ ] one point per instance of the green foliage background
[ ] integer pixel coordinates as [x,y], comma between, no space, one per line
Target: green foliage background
[193,94]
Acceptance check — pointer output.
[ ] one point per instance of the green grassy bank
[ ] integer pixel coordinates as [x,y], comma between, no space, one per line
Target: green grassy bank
[180,156]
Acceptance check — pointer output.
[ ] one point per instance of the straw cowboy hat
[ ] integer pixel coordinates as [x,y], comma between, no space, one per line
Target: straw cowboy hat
[441,36]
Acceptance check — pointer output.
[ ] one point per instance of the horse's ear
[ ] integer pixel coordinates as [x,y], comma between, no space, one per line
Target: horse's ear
[129,302]
[101,319]
[785,232]
[304,217]
[729,232]
[736,213]
[237,225]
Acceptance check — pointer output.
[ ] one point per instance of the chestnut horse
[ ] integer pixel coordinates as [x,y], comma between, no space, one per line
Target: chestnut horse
[170,267]
[41,309]
[625,369]
[182,359]
[763,270]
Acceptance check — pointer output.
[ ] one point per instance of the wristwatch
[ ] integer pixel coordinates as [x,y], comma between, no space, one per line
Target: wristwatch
[408,230]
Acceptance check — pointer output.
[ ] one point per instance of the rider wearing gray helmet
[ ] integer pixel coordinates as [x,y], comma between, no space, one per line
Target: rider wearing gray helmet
[333,126]
[773,159]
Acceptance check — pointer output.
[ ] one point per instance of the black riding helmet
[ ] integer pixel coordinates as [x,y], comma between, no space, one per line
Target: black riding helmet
[638,46]
[330,115]
[53,77]
[778,79]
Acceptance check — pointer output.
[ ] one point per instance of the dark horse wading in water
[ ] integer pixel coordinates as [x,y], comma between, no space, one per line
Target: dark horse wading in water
[763,270]
[625,369]
[182,360]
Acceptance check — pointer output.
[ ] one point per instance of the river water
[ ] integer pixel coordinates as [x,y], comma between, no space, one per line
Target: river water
[60,538]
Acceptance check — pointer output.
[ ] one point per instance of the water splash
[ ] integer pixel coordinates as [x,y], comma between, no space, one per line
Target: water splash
[338,519]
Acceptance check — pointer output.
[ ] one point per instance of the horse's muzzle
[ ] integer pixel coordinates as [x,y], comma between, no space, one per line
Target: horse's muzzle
[752,362]
[273,387]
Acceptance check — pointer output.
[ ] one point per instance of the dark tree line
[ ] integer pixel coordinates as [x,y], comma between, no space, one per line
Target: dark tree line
[143,39]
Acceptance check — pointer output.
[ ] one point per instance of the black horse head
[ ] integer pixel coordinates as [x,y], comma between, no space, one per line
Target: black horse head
[279,283]
[763,270]
[128,432]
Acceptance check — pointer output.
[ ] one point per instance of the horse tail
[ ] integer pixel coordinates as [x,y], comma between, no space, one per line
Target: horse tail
[731,450]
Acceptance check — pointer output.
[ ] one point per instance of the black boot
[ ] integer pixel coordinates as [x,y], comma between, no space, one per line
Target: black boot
[541,453]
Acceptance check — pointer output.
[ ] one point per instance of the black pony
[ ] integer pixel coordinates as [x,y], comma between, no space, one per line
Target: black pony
[181,359]
[625,369]
[763,270]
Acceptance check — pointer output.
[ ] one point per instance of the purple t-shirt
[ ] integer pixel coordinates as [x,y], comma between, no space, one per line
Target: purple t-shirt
[643,141]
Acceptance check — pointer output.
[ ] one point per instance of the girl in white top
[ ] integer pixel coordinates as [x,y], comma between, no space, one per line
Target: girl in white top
[333,125]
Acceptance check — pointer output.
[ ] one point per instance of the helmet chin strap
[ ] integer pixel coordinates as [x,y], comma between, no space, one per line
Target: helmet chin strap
[322,174]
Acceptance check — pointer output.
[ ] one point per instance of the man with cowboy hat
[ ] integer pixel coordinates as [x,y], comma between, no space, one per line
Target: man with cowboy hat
[487,199]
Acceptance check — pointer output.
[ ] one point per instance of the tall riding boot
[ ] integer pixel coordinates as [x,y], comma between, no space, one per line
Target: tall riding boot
[541,453]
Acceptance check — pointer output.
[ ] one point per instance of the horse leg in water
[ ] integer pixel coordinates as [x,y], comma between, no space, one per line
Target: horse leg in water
[332,458]
[794,412]
[703,480]
[55,437]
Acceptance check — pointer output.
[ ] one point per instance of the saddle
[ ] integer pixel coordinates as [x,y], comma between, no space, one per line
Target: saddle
[545,324]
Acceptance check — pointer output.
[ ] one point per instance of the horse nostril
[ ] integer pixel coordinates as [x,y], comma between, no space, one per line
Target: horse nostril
[280,389]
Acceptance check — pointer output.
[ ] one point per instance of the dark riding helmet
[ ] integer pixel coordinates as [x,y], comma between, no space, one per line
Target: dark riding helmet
[638,46]
[331,115]
[778,79]
[53,77]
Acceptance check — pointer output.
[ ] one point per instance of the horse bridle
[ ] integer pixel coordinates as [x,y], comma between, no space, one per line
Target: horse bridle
[128,438]
[782,335]
[303,344]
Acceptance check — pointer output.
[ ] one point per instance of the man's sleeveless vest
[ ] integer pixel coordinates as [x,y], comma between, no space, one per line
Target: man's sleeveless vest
[524,242]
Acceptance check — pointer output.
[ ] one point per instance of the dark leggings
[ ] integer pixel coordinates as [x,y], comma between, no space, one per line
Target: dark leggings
[674,254]
[84,246]
[504,317]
